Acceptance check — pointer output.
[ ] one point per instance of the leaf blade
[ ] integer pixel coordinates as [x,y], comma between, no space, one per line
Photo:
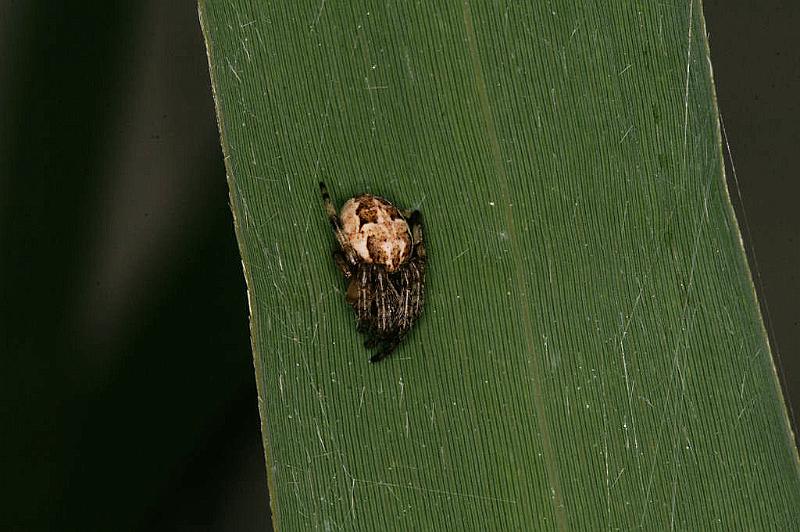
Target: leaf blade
[570,174]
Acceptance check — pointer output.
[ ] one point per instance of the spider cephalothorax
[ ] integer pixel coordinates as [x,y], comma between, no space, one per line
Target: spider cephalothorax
[382,258]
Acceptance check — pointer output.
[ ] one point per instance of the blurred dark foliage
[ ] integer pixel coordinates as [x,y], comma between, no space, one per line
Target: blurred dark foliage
[127,397]
[755,51]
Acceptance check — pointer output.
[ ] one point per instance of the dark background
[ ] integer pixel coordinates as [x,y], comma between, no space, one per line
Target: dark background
[127,396]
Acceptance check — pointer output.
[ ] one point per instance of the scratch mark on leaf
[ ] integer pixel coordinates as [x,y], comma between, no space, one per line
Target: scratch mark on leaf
[402,389]
[321,442]
[319,14]
[628,132]
[460,255]
[361,401]
[391,486]
[686,91]
[235,74]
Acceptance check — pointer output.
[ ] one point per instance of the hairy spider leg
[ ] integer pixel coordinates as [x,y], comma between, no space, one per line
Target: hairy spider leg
[414,219]
[376,310]
[413,276]
[411,297]
[384,298]
[342,263]
[406,301]
[333,218]
[415,223]
[363,306]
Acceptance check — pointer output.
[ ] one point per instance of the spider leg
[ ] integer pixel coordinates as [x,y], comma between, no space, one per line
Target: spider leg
[336,224]
[411,296]
[342,263]
[417,267]
[366,299]
[385,299]
[330,209]
[384,313]
[387,350]
[371,341]
[415,224]
[417,288]
[405,301]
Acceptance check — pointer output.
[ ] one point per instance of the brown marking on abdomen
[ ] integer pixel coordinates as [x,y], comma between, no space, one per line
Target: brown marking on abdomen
[376,250]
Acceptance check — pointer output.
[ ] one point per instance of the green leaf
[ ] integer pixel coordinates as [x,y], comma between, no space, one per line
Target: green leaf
[591,355]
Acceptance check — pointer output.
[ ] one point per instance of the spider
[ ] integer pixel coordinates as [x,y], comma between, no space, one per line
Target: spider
[382,258]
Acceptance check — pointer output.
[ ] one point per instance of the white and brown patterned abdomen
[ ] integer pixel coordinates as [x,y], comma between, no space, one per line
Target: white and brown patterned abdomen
[376,231]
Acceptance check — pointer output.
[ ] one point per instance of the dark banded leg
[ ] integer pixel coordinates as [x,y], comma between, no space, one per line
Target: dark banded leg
[330,208]
[336,225]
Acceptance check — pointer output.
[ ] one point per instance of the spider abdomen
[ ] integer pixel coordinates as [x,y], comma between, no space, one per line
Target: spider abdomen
[376,231]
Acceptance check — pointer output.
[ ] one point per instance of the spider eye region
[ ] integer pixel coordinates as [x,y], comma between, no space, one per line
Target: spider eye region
[376,231]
